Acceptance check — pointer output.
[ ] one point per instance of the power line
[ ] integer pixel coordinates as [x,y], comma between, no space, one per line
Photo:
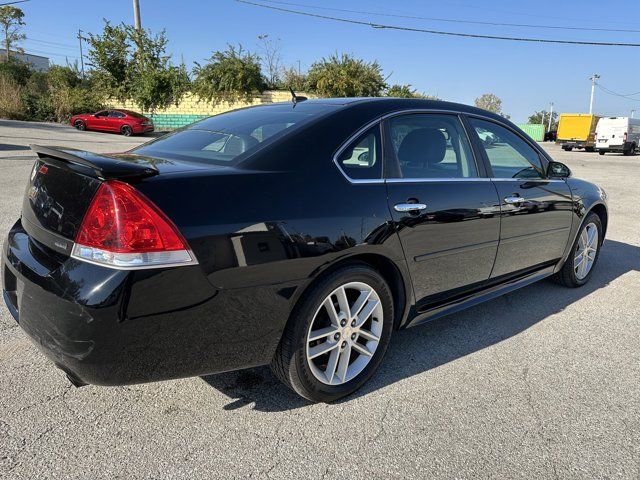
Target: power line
[438,32]
[53,54]
[46,42]
[611,92]
[13,3]
[453,20]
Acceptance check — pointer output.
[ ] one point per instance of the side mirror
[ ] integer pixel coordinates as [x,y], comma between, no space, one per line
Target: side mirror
[558,170]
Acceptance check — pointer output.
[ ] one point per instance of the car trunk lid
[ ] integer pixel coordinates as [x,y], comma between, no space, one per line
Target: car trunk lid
[61,186]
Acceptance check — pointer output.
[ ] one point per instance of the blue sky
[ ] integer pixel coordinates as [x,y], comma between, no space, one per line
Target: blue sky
[526,76]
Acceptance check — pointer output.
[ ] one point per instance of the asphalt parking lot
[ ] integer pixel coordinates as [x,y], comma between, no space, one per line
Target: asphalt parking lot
[541,383]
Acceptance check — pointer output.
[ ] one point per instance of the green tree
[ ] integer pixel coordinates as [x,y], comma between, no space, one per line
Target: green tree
[402,91]
[11,21]
[153,82]
[110,56]
[543,117]
[490,102]
[345,76]
[229,75]
[292,78]
[131,64]
[407,91]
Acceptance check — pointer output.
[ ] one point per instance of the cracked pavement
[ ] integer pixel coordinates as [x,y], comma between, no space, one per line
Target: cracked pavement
[542,383]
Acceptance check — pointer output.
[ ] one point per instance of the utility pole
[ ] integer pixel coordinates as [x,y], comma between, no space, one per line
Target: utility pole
[633,112]
[593,79]
[136,14]
[550,117]
[81,56]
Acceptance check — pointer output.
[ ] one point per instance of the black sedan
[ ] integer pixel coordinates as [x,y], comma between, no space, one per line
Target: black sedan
[297,235]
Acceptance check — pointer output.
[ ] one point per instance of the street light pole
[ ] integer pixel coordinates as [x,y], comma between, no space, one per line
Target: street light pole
[81,56]
[593,79]
[550,117]
[136,14]
[633,112]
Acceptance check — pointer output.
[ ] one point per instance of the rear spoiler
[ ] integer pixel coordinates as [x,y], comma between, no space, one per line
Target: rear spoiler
[102,166]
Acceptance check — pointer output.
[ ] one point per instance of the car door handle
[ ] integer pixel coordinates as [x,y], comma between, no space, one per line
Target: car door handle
[513,200]
[409,207]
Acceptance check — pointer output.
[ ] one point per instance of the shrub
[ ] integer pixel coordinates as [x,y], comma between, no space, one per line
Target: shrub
[229,75]
[346,76]
[292,78]
[16,70]
[131,64]
[68,101]
[11,104]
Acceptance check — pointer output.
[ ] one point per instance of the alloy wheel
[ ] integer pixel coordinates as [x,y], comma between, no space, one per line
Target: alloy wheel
[586,251]
[345,333]
[126,131]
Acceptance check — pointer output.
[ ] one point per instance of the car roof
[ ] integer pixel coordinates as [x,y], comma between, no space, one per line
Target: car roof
[395,103]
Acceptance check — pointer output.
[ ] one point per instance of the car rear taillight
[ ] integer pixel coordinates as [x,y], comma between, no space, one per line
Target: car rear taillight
[124,229]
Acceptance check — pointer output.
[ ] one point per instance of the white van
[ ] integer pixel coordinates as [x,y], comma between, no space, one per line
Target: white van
[618,134]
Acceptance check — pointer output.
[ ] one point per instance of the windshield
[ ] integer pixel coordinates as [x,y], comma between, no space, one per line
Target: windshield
[228,138]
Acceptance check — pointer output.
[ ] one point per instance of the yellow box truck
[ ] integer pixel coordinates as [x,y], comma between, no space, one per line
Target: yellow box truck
[577,130]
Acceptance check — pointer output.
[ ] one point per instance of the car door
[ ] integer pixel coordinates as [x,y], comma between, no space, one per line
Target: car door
[445,209]
[535,211]
[98,121]
[116,120]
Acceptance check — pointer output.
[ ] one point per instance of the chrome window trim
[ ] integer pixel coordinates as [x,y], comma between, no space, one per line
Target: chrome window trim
[410,111]
[541,180]
[344,146]
[433,180]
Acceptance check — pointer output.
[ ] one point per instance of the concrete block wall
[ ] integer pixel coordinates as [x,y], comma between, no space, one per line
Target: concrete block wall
[192,109]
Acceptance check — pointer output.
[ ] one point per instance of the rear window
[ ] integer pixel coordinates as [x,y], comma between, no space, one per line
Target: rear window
[228,138]
[133,114]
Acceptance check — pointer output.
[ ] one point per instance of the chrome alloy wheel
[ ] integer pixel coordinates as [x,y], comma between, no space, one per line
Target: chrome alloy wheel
[345,333]
[586,251]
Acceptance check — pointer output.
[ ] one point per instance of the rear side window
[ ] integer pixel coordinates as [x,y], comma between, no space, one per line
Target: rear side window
[509,155]
[362,158]
[116,115]
[431,146]
[231,137]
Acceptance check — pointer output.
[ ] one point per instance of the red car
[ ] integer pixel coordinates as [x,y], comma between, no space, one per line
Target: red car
[124,121]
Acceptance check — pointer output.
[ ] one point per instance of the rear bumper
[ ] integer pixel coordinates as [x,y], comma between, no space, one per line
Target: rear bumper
[143,128]
[615,148]
[113,327]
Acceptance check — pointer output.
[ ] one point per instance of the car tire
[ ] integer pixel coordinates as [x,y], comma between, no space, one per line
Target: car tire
[601,152]
[80,125]
[570,274]
[311,377]
[589,149]
[126,130]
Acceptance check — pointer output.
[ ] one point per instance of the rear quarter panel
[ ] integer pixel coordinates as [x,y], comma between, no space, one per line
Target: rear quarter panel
[258,228]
